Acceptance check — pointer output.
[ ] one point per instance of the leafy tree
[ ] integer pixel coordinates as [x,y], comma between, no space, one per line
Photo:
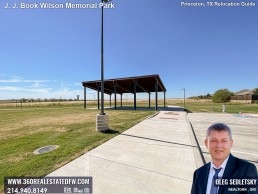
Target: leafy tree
[23,100]
[221,96]
[256,91]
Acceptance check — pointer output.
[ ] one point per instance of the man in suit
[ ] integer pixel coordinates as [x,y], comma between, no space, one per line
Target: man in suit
[223,164]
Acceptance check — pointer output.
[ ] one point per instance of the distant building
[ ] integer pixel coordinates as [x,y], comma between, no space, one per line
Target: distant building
[245,96]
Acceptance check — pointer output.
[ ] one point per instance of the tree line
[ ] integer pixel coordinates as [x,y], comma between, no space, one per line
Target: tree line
[24,100]
[220,96]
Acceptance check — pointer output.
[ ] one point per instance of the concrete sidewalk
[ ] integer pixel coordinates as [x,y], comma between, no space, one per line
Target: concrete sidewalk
[155,156]
[244,131]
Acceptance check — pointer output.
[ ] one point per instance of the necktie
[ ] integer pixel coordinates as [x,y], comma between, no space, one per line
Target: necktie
[214,188]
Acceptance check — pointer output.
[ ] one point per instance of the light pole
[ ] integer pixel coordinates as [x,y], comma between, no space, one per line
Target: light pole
[102,56]
[184,96]
[102,118]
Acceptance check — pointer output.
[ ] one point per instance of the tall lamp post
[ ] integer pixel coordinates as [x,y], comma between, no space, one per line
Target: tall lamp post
[184,96]
[102,56]
[102,118]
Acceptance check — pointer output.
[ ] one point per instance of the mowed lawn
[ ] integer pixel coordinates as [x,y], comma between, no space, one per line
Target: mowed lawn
[73,129]
[217,107]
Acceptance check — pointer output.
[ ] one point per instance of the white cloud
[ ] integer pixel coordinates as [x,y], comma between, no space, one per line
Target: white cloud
[11,88]
[18,93]
[17,79]
[10,81]
[8,88]
[36,85]
[77,84]
[17,87]
[92,92]
[23,81]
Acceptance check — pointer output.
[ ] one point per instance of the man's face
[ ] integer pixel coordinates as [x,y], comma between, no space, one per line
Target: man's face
[219,145]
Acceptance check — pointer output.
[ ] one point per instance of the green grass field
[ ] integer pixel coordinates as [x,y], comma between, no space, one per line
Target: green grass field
[24,129]
[192,105]
[217,107]
[73,129]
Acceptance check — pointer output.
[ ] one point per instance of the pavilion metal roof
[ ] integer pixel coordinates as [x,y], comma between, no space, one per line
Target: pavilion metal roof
[244,92]
[144,83]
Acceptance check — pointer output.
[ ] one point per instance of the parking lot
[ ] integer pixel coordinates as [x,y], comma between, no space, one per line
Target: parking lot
[244,130]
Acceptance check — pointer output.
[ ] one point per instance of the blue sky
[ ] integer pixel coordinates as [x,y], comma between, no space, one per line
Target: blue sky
[47,53]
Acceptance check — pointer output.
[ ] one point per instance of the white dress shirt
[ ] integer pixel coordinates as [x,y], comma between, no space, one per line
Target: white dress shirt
[212,173]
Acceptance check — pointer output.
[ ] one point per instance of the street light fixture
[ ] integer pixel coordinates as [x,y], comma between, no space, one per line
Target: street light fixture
[102,118]
[184,96]
[102,57]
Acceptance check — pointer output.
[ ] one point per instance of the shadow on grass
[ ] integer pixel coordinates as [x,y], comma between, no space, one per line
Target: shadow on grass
[151,108]
[188,111]
[111,131]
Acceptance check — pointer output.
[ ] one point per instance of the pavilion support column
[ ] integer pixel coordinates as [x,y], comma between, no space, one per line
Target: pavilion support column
[149,99]
[115,94]
[121,100]
[164,99]
[84,97]
[134,94]
[156,95]
[110,100]
[98,97]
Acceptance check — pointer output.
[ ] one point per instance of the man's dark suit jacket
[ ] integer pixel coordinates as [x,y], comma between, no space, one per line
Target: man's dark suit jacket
[235,168]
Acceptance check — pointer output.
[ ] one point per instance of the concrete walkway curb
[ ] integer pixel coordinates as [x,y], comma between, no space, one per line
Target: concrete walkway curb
[154,156]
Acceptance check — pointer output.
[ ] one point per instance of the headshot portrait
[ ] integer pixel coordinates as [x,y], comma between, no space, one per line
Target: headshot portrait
[219,142]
